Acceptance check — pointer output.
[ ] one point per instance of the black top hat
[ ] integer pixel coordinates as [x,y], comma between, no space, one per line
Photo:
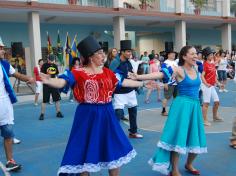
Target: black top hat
[125,45]
[51,57]
[199,51]
[88,46]
[207,51]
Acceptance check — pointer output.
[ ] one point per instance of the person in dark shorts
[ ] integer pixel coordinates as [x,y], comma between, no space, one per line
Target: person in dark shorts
[51,69]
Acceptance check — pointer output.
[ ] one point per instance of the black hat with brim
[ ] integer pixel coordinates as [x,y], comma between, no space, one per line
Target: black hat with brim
[207,51]
[125,45]
[88,46]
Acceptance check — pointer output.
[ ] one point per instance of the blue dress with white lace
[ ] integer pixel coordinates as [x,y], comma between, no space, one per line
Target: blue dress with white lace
[184,129]
[97,140]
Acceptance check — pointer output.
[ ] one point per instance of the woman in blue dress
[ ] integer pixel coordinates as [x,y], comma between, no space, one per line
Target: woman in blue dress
[96,141]
[184,130]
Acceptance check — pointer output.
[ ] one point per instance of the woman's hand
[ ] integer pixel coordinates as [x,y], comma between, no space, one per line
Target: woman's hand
[132,76]
[44,77]
[31,80]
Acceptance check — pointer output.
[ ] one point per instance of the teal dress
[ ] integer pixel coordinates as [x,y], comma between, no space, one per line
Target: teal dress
[184,129]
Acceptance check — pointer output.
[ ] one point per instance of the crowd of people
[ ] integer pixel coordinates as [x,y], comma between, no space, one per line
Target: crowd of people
[105,83]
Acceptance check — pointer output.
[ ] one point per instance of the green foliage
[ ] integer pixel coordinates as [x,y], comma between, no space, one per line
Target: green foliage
[199,3]
[146,1]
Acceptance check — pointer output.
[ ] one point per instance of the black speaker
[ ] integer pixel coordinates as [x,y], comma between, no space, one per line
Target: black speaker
[169,46]
[17,49]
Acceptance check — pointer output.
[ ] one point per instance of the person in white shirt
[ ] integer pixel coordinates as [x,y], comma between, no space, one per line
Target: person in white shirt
[222,70]
[169,90]
[7,97]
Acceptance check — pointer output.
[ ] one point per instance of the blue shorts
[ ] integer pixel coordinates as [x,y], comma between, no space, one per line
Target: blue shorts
[7,131]
[222,75]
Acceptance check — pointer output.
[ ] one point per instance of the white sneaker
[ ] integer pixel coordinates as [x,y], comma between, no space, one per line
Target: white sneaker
[225,90]
[16,141]
[36,104]
[71,100]
[221,90]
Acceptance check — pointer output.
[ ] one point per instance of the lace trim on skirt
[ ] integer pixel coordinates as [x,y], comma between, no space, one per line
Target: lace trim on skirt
[89,167]
[182,150]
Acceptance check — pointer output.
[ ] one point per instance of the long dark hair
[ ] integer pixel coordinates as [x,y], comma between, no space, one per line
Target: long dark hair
[183,52]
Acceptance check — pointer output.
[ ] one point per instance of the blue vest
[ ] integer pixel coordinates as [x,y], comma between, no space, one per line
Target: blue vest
[5,66]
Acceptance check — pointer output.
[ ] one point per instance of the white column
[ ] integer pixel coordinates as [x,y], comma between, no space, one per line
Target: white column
[226,37]
[180,35]
[226,8]
[119,30]
[118,3]
[34,37]
[179,6]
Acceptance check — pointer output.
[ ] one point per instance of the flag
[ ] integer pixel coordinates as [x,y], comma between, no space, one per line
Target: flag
[68,51]
[59,50]
[49,45]
[73,48]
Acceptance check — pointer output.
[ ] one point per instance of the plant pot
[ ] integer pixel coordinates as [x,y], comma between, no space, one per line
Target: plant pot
[72,2]
[143,6]
[197,11]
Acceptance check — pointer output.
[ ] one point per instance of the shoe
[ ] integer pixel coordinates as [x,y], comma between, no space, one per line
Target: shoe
[41,117]
[135,135]
[36,104]
[233,146]
[225,90]
[218,119]
[147,101]
[59,115]
[16,141]
[193,172]
[221,90]
[50,102]
[206,123]
[124,119]
[71,100]
[164,113]
[12,166]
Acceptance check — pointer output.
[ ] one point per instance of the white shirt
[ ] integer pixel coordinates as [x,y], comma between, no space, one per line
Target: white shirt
[135,64]
[223,64]
[3,92]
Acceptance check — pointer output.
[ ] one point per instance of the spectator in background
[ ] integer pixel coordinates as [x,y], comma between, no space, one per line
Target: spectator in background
[145,60]
[233,137]
[75,64]
[38,86]
[154,67]
[209,81]
[51,69]
[112,53]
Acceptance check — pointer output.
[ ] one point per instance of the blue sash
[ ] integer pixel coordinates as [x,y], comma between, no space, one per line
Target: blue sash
[8,86]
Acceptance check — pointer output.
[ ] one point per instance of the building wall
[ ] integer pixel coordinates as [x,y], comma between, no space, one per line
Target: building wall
[160,35]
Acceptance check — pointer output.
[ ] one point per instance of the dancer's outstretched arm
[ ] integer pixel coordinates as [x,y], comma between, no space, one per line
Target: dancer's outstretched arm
[52,82]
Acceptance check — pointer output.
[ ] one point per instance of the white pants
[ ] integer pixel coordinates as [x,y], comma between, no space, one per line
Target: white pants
[209,93]
[129,99]
[6,111]
[38,87]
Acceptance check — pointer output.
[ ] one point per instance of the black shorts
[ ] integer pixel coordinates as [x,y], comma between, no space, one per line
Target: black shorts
[47,91]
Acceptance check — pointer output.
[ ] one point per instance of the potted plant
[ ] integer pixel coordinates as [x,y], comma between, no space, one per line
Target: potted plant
[145,3]
[198,4]
[73,2]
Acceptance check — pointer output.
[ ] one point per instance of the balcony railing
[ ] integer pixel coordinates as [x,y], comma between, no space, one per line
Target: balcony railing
[211,8]
[156,5]
[97,3]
